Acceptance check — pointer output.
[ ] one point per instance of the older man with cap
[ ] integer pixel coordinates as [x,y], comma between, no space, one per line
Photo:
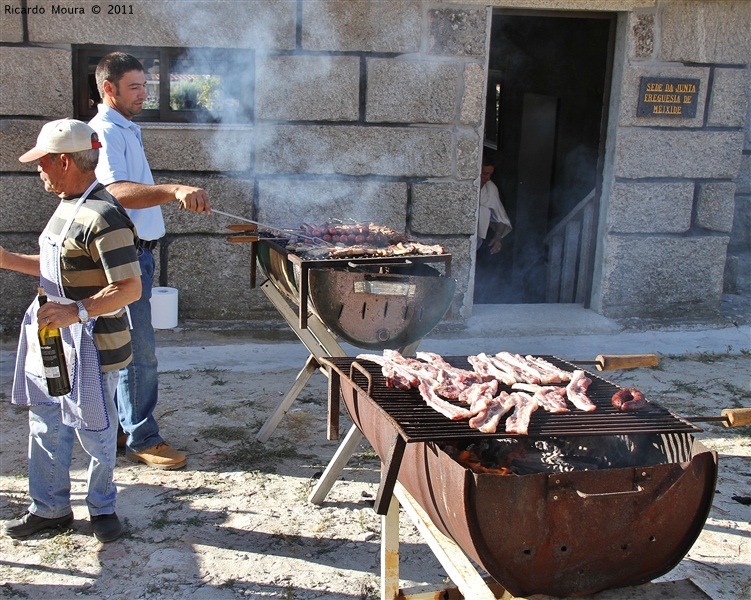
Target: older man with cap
[88,267]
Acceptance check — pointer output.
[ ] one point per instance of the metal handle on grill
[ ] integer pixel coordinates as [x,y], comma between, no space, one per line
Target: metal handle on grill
[639,489]
[731,417]
[380,264]
[368,376]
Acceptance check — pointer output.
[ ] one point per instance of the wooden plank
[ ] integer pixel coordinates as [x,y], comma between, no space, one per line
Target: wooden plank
[336,465]
[555,258]
[585,253]
[452,558]
[570,261]
[390,551]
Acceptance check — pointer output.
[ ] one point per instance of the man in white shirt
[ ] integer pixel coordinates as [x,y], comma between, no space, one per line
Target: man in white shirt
[123,168]
[492,218]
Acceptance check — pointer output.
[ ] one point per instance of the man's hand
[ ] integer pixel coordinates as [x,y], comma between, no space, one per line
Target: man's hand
[57,315]
[194,199]
[495,245]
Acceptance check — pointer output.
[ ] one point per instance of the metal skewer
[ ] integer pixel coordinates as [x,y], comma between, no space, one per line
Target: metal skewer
[313,240]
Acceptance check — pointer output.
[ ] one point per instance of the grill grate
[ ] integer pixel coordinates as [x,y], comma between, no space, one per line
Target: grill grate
[417,422]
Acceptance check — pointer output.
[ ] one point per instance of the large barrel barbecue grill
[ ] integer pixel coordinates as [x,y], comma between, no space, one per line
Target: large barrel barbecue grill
[627,520]
[570,533]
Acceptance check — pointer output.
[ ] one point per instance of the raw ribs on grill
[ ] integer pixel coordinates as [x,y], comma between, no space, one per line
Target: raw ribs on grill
[481,403]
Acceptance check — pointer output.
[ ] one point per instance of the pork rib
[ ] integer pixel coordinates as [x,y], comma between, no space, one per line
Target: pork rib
[550,373]
[491,412]
[576,391]
[397,376]
[552,398]
[428,392]
[484,366]
[476,391]
[524,406]
[528,373]
[450,371]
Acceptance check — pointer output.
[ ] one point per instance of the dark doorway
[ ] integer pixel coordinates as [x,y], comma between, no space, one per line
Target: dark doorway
[548,90]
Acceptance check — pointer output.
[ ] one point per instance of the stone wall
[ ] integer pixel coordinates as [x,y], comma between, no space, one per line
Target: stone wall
[673,185]
[322,144]
[388,126]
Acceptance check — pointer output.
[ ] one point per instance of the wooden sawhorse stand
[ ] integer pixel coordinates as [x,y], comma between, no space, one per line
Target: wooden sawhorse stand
[469,583]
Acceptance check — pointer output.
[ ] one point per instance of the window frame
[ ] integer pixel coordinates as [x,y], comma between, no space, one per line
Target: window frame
[164,114]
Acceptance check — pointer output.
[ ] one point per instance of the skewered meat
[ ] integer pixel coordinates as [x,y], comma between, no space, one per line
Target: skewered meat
[400,249]
[576,391]
[629,399]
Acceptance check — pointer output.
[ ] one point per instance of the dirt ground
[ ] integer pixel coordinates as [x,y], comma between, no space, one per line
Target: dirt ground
[236,522]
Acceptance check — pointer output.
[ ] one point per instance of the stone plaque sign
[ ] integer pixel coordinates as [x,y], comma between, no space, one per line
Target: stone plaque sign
[667,97]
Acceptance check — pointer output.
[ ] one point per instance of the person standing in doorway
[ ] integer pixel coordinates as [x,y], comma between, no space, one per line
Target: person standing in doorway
[493,224]
[123,168]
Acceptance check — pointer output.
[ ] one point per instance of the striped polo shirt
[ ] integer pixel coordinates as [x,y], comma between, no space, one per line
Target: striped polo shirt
[99,249]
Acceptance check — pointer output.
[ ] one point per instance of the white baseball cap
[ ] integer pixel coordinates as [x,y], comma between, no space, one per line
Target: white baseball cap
[62,136]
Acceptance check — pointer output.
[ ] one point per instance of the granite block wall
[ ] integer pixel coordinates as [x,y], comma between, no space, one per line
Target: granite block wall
[374,110]
[674,184]
[365,110]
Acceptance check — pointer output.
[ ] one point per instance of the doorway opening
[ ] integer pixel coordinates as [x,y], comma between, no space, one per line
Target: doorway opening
[547,98]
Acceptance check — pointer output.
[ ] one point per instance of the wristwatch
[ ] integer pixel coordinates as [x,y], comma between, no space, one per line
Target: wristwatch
[83,314]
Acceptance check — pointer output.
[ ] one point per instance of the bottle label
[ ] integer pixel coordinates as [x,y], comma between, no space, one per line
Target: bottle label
[51,361]
[52,372]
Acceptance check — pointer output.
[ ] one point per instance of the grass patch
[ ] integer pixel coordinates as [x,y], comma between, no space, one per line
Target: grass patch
[8,591]
[215,375]
[224,433]
[740,396]
[61,547]
[251,455]
[213,409]
[685,387]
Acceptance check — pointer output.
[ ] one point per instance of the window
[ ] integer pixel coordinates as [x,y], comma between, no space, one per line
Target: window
[185,85]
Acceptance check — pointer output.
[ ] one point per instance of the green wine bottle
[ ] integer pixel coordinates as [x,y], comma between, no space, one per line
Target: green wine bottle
[53,356]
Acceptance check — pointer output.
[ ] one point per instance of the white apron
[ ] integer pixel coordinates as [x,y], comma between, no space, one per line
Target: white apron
[84,407]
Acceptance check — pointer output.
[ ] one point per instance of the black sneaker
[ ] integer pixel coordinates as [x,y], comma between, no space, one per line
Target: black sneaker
[29,524]
[107,528]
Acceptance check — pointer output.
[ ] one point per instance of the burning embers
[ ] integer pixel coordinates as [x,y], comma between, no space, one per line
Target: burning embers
[340,240]
[526,456]
[534,382]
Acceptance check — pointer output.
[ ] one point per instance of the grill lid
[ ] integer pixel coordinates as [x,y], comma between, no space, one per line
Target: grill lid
[417,422]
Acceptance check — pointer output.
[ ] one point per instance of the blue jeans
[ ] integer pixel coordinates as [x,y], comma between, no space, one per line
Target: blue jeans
[138,390]
[51,450]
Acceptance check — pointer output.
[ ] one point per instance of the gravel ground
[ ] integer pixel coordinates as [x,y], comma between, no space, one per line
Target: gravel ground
[236,522]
